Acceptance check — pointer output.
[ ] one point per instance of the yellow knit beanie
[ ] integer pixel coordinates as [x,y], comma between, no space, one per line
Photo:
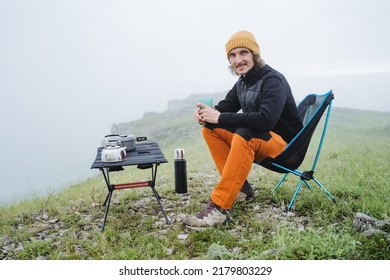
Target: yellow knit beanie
[243,39]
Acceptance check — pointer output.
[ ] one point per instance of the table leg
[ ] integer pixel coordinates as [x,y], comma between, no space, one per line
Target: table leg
[156,195]
[111,189]
[107,208]
[106,176]
[107,202]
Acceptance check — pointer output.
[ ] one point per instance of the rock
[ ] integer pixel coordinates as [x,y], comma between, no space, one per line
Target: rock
[142,203]
[180,217]
[374,231]
[19,248]
[363,222]
[78,249]
[169,251]
[368,225]
[9,247]
[5,240]
[290,214]
[182,236]
[52,221]
[270,252]
[301,227]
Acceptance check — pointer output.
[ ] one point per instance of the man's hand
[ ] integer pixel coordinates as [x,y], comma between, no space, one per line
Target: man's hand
[197,116]
[204,113]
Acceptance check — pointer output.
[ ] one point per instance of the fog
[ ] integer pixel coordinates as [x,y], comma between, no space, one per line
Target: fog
[70,69]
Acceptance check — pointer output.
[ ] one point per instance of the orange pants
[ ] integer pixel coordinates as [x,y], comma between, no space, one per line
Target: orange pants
[233,156]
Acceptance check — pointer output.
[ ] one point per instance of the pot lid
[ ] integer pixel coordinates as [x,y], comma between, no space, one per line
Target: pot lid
[126,137]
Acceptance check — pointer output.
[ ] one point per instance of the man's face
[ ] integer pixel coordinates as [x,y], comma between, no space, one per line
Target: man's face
[241,59]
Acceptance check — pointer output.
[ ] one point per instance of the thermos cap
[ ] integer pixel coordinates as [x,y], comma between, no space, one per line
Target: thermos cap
[179,154]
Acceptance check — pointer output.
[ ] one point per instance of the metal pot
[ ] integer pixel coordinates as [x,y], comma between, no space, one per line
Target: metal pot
[110,139]
[128,141]
[113,154]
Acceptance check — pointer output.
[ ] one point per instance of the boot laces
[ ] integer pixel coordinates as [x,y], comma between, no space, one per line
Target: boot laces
[209,208]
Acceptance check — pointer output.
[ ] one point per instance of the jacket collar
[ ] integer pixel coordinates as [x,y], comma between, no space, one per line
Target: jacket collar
[253,75]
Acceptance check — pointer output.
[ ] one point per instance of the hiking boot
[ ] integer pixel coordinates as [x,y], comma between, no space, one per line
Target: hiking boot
[246,193]
[211,215]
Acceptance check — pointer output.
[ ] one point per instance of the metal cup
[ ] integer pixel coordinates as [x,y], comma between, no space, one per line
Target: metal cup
[207,101]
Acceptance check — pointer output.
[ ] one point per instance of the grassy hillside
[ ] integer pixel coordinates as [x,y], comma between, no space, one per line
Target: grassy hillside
[354,166]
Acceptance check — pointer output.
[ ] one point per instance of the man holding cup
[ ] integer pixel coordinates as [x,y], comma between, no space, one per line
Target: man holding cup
[268,120]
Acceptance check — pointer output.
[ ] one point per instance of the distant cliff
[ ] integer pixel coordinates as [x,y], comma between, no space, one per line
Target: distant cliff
[188,104]
[176,106]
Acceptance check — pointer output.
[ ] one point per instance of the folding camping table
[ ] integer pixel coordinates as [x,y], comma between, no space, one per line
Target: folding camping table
[145,156]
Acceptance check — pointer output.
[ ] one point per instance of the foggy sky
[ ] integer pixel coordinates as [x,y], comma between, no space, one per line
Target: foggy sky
[69,69]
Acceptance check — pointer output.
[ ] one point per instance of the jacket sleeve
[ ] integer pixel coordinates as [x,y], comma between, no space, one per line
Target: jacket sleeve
[230,103]
[270,103]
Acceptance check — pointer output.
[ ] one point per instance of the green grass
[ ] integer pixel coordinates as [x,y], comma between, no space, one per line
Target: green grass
[354,166]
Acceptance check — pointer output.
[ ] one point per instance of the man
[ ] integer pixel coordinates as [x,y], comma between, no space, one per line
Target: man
[268,121]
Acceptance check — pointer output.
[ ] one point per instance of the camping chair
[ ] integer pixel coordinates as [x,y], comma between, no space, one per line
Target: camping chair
[288,161]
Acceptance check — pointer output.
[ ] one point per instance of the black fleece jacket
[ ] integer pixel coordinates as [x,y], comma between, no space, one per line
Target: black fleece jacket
[266,101]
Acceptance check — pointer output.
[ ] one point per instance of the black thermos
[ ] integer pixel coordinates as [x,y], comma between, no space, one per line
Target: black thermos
[180,171]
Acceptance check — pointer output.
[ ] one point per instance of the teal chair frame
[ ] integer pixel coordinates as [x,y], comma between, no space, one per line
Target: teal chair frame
[311,110]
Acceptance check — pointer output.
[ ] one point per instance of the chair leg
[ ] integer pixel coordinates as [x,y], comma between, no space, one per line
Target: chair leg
[307,184]
[324,189]
[295,194]
[299,187]
[280,182]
